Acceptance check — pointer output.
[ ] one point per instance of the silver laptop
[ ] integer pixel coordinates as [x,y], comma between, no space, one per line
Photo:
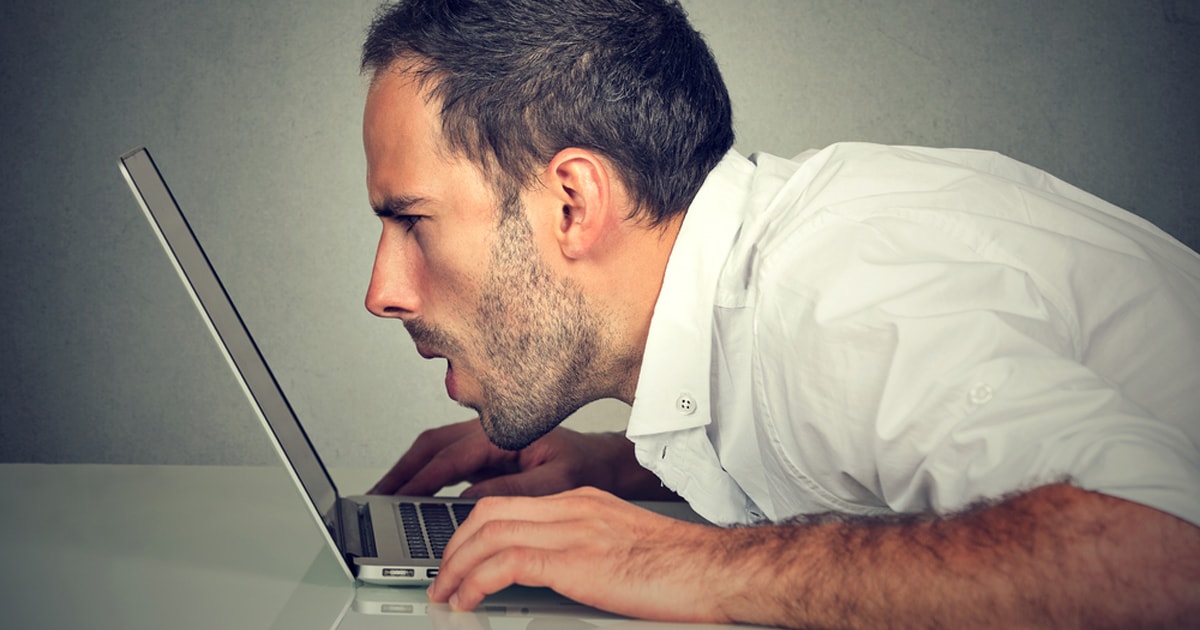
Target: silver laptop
[379,539]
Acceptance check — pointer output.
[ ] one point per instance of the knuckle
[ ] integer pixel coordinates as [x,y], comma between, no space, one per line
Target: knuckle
[425,442]
[521,563]
[429,435]
[589,494]
[478,584]
[587,499]
[487,504]
[495,529]
[515,565]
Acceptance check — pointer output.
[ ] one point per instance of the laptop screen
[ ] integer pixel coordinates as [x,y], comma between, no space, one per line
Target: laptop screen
[227,326]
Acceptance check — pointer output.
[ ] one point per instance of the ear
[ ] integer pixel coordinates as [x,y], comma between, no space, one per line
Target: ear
[582,182]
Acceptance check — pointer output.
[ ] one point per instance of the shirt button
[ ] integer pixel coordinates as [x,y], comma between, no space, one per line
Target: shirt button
[980,394]
[685,404]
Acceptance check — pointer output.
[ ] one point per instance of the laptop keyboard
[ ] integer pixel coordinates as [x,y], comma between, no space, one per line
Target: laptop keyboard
[429,526]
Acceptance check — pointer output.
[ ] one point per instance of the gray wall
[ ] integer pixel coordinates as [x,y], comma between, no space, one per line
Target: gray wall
[252,109]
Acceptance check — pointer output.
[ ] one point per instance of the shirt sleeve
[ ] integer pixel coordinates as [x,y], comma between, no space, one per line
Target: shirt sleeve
[907,367]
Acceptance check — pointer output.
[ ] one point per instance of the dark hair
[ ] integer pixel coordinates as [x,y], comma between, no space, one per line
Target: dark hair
[520,80]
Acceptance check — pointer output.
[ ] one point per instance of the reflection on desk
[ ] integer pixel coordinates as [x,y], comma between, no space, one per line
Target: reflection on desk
[515,608]
[95,546]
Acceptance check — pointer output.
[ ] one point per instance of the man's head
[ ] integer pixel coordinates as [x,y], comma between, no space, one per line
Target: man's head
[461,266]
[517,81]
[531,163]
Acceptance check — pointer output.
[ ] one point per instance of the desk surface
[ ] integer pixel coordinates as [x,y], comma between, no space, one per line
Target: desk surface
[128,547]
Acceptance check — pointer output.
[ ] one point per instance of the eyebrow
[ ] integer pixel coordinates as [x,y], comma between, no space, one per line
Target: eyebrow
[396,206]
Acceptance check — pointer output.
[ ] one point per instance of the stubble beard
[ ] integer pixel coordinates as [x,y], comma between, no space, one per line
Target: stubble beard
[539,343]
[541,340]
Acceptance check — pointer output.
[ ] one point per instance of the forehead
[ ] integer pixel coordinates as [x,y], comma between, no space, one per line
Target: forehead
[400,128]
[407,160]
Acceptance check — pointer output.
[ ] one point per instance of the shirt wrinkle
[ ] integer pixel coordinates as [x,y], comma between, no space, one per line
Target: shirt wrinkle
[868,328]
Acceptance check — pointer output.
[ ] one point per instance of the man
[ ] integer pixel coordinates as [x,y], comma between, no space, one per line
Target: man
[932,387]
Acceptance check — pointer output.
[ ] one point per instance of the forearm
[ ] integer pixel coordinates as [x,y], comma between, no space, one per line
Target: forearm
[1056,557]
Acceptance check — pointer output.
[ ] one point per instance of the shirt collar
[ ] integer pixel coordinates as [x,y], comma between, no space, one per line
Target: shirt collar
[673,383]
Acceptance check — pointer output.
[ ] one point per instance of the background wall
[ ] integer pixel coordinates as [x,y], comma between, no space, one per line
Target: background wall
[252,109]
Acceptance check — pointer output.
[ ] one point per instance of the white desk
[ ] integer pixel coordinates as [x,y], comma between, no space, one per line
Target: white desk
[90,546]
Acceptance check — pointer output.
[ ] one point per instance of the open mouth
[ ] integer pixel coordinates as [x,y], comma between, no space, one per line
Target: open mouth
[451,386]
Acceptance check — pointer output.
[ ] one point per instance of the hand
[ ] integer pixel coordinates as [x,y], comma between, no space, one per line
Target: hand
[1056,555]
[591,547]
[560,460]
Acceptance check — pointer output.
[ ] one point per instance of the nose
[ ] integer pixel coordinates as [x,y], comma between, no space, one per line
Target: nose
[394,280]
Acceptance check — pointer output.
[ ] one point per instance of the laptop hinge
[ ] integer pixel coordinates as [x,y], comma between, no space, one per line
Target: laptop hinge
[357,536]
[349,532]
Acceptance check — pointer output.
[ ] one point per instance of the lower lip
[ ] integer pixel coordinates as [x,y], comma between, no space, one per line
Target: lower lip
[450,386]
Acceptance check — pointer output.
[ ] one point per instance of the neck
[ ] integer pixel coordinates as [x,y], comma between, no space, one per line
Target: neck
[636,279]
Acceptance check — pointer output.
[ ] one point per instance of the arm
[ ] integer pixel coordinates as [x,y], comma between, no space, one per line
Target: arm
[561,460]
[1056,556]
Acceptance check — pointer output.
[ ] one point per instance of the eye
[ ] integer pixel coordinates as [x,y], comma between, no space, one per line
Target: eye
[407,221]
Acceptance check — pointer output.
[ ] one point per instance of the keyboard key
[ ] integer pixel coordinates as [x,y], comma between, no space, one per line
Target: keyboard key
[439,526]
[417,547]
[461,511]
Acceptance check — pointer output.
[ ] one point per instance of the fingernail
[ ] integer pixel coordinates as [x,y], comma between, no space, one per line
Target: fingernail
[454,601]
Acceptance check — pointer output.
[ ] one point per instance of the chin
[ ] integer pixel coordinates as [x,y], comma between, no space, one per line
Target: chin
[499,437]
[504,435]
[512,434]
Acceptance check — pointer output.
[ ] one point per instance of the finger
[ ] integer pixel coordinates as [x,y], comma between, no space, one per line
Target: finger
[566,506]
[508,567]
[488,560]
[579,544]
[540,481]
[457,462]
[423,449]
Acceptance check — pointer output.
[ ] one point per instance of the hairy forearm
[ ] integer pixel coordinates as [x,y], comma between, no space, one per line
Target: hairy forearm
[1055,557]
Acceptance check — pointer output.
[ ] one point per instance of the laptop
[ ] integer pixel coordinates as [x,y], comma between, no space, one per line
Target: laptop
[393,540]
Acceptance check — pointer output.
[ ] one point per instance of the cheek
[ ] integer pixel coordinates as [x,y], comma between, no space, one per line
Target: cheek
[453,286]
[456,249]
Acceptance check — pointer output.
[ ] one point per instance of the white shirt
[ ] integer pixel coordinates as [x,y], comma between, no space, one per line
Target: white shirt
[874,329]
